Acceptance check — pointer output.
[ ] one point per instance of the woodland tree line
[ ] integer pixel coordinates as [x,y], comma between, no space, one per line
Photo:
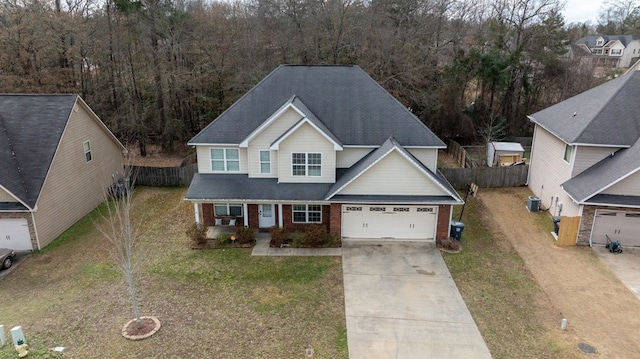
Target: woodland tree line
[158,71]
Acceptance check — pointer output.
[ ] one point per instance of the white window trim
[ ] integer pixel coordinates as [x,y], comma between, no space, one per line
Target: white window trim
[88,143]
[261,162]
[568,146]
[228,210]
[306,213]
[306,164]
[224,158]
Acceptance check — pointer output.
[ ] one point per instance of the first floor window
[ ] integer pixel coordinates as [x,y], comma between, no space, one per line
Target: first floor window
[225,160]
[228,209]
[87,151]
[567,153]
[307,213]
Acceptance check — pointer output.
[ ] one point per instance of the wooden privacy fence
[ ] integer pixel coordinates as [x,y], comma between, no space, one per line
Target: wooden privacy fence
[165,176]
[568,231]
[487,177]
[461,155]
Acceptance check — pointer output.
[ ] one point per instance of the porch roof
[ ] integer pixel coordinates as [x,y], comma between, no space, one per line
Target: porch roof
[239,187]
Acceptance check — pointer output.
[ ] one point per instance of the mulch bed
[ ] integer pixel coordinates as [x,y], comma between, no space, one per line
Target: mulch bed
[147,326]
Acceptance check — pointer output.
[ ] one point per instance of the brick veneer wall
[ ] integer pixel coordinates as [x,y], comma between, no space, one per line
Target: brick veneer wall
[252,212]
[442,230]
[207,214]
[287,218]
[335,218]
[32,230]
[586,221]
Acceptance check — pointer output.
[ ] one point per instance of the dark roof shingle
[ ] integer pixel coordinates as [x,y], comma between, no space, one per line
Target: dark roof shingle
[352,106]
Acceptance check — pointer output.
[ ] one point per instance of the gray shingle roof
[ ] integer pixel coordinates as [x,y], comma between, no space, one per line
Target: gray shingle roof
[239,187]
[30,128]
[590,40]
[351,105]
[606,115]
[604,173]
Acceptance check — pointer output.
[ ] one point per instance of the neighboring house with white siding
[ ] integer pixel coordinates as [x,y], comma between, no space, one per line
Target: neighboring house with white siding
[615,51]
[56,157]
[322,144]
[585,160]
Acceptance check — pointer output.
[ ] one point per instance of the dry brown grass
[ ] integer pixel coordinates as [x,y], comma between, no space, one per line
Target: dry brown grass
[212,303]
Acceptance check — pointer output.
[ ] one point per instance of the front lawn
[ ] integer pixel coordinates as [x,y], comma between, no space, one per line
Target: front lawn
[220,303]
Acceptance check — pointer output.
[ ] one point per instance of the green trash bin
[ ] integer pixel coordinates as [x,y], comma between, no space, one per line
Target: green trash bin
[456,230]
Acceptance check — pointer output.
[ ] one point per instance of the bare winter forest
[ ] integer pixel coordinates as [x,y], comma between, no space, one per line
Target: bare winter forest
[157,71]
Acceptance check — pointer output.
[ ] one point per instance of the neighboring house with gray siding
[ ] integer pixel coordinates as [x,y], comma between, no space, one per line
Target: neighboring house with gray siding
[56,158]
[585,160]
[322,144]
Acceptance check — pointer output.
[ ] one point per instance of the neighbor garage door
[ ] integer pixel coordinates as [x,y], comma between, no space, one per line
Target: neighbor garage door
[14,234]
[618,225]
[401,222]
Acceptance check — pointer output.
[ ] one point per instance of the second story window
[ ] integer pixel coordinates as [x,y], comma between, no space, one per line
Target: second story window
[265,162]
[87,151]
[568,149]
[225,160]
[306,164]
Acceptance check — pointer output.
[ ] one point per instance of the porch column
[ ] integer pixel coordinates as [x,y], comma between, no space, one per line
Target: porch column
[196,209]
[245,217]
[280,215]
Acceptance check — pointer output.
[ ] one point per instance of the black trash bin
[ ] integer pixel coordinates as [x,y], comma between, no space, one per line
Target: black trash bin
[456,230]
[556,223]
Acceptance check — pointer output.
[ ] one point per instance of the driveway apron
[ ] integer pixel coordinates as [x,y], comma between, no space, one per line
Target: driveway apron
[401,302]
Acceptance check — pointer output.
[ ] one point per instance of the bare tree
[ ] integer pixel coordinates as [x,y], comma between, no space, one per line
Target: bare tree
[118,228]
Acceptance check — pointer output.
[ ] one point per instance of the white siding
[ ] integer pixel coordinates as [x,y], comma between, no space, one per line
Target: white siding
[428,157]
[393,175]
[6,197]
[350,155]
[548,170]
[264,140]
[587,156]
[74,187]
[632,51]
[629,186]
[307,139]
[204,159]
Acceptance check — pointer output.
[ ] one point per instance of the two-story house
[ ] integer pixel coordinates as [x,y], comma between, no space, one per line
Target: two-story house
[56,160]
[585,161]
[615,51]
[322,144]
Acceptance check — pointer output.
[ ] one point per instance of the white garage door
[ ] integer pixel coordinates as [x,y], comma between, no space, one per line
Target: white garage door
[618,225]
[14,234]
[393,221]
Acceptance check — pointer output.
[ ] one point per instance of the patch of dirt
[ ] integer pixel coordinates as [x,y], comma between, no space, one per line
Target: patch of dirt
[600,311]
[147,326]
[445,160]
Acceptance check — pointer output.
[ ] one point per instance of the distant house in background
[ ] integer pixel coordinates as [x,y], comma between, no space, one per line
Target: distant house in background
[56,157]
[611,51]
[504,153]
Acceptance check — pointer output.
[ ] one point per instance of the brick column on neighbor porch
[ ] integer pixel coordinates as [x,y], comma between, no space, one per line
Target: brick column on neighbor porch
[335,218]
[444,216]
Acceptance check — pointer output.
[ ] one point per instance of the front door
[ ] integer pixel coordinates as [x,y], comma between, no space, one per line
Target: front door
[266,216]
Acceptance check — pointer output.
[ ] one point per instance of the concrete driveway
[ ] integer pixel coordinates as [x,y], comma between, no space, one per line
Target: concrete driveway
[401,302]
[626,266]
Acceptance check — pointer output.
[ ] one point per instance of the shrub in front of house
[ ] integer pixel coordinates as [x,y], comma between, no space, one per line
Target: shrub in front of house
[278,236]
[197,233]
[315,236]
[245,236]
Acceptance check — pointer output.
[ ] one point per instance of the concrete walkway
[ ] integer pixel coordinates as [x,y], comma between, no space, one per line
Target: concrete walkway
[401,302]
[262,249]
